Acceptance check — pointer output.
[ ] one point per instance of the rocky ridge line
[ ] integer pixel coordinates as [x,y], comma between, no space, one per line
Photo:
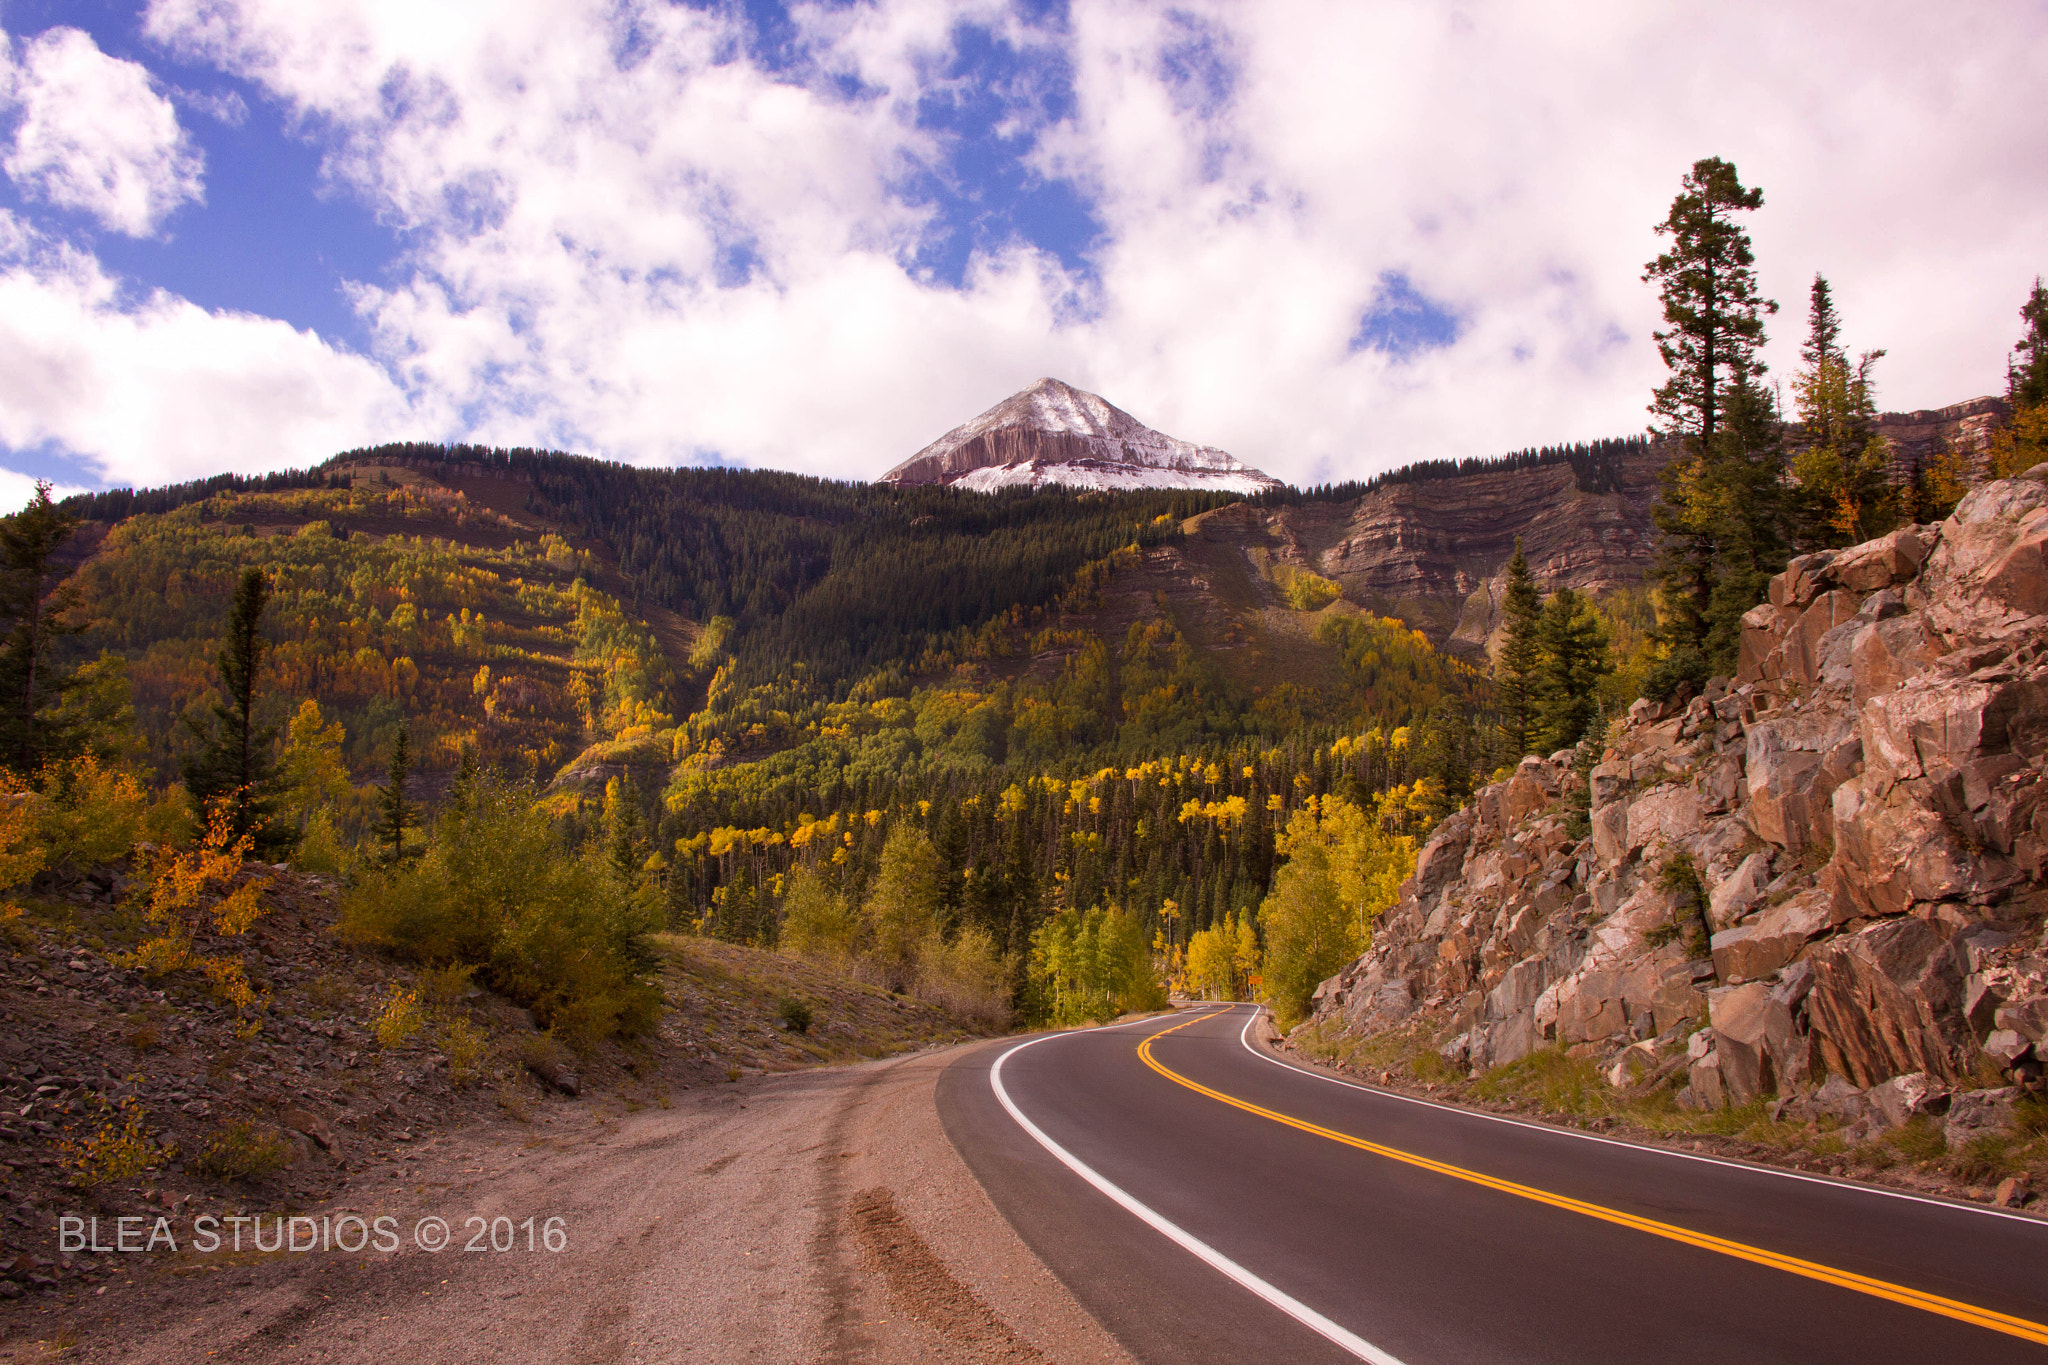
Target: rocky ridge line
[1863,806]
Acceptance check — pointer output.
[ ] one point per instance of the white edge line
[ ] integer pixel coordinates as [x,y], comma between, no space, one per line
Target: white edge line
[1202,1251]
[1244,1036]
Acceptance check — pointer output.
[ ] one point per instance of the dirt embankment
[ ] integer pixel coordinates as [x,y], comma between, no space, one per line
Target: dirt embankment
[130,1096]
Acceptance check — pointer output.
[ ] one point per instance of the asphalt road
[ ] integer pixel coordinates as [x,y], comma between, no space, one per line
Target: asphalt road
[1230,1207]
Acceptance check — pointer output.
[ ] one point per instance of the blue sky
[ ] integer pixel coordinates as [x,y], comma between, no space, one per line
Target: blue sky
[1328,237]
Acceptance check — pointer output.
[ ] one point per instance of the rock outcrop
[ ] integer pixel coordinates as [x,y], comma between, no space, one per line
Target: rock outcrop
[1433,551]
[1821,879]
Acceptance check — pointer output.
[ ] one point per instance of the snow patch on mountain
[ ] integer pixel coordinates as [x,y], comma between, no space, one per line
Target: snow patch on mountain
[1108,477]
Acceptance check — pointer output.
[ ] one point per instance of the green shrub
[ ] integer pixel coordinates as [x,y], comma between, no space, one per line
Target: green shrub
[795,1014]
[465,1046]
[966,975]
[1920,1140]
[117,1146]
[1684,670]
[1986,1158]
[1679,878]
[401,1019]
[243,1151]
[558,932]
[815,922]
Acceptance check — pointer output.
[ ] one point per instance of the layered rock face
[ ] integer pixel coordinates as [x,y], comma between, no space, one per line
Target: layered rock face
[1862,811]
[1054,433]
[1439,548]
[1434,552]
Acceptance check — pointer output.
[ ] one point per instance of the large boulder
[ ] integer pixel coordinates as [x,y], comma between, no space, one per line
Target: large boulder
[1880,563]
[1893,852]
[1759,1045]
[1802,649]
[1738,893]
[1444,855]
[1889,1000]
[2028,1018]
[1610,833]
[1979,1113]
[1761,655]
[1792,764]
[1903,1098]
[1886,653]
[1518,989]
[1671,812]
[1750,952]
[1935,725]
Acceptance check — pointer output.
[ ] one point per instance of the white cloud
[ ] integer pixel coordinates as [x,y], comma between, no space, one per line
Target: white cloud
[92,134]
[153,389]
[1512,161]
[17,490]
[626,236]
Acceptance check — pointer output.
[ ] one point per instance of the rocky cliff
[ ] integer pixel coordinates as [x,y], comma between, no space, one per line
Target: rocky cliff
[1821,880]
[1433,552]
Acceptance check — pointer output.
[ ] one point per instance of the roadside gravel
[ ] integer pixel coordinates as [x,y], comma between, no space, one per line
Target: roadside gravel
[812,1216]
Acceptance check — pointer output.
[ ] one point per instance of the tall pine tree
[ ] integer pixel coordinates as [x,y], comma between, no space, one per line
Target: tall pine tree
[1573,641]
[234,764]
[1515,670]
[2023,442]
[33,600]
[1841,492]
[2026,375]
[395,812]
[1712,312]
[1713,330]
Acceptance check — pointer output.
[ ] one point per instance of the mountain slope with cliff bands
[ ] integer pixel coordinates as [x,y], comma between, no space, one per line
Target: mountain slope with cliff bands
[1820,881]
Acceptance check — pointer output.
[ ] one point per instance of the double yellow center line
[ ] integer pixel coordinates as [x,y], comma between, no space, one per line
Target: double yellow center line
[1791,1265]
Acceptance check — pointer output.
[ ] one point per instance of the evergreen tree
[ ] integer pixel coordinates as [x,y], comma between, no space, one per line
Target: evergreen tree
[32,602]
[737,910]
[626,846]
[2026,377]
[679,897]
[1842,493]
[395,814]
[2023,442]
[234,764]
[1714,329]
[1747,511]
[1446,758]
[1574,645]
[468,772]
[1712,311]
[1823,325]
[1514,671]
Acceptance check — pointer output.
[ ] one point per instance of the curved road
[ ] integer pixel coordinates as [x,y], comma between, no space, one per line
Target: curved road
[1206,1201]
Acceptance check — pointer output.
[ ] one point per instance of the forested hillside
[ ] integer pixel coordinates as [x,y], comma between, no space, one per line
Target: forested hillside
[1015,752]
[1028,752]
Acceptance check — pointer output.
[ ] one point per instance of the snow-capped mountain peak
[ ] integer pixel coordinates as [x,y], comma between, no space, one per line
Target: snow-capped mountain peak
[1054,433]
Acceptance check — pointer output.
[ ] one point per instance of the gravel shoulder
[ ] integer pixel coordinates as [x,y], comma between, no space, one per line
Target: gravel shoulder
[819,1215]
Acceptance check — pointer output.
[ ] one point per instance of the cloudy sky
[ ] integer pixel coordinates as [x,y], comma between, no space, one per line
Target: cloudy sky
[1330,236]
